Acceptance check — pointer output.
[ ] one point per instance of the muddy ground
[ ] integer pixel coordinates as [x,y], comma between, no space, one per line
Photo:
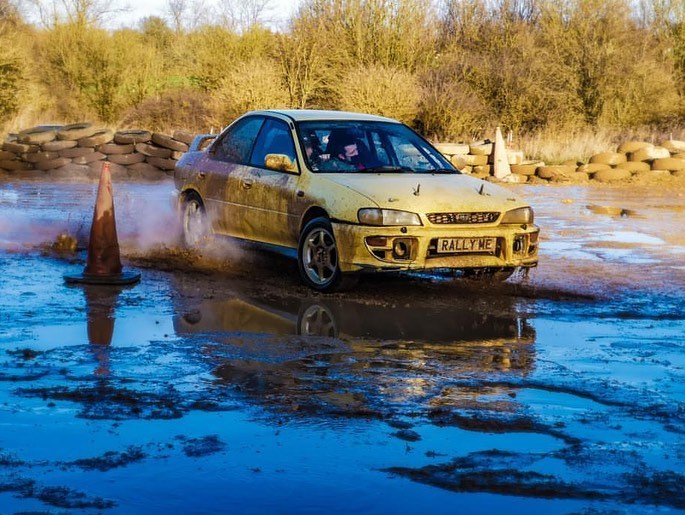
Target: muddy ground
[220,384]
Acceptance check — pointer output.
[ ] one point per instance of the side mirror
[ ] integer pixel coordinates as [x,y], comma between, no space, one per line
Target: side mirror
[201,142]
[205,141]
[280,163]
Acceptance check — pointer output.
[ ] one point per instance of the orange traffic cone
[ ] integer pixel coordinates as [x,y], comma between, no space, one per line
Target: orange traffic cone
[104,265]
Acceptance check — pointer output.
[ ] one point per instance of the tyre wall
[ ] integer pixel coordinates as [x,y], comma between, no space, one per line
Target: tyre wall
[631,161]
[78,150]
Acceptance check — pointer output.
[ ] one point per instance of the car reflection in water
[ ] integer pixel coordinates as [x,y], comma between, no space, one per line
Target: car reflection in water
[323,356]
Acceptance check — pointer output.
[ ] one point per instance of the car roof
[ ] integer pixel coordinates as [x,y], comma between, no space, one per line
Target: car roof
[299,115]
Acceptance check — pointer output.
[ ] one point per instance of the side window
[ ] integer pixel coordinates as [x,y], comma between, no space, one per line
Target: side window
[274,138]
[237,143]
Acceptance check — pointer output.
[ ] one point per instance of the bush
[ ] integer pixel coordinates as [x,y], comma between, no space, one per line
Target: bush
[255,84]
[395,33]
[305,68]
[380,90]
[613,66]
[81,61]
[11,78]
[211,54]
[12,56]
[188,109]
[449,110]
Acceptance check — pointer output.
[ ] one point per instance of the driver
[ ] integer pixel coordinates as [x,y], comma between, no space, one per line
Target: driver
[344,148]
[350,154]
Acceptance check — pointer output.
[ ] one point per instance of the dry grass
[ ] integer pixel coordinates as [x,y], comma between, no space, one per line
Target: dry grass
[554,146]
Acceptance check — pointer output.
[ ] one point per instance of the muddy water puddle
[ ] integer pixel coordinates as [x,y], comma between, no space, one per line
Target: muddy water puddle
[215,386]
[644,245]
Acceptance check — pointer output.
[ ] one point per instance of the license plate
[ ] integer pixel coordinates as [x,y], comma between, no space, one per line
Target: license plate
[454,245]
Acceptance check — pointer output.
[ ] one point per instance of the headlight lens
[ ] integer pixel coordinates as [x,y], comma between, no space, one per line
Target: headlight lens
[373,216]
[522,215]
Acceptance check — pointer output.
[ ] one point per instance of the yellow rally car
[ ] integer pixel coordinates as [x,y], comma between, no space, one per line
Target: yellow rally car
[351,193]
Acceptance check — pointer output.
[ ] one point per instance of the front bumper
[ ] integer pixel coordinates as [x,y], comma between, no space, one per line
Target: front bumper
[367,248]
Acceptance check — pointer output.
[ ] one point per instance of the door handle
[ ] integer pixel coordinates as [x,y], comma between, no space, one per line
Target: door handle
[201,175]
[247,183]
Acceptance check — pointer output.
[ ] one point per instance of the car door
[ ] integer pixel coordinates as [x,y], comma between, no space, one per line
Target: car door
[221,171]
[268,196]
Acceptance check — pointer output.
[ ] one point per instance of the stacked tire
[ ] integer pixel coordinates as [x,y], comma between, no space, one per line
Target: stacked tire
[477,159]
[79,149]
[639,160]
[631,161]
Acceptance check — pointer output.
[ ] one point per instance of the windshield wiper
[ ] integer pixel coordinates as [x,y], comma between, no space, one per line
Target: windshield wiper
[444,170]
[388,168]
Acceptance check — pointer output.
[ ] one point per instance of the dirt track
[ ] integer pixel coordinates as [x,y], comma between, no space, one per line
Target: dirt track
[220,381]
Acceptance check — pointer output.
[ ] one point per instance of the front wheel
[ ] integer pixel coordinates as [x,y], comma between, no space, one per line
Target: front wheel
[318,260]
[194,222]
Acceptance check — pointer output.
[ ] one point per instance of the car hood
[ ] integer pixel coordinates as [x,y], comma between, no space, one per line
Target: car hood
[429,193]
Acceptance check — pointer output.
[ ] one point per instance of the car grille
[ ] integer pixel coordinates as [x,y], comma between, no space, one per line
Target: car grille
[487,217]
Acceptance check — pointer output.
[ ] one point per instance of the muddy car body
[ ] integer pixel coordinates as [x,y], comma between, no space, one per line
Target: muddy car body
[284,179]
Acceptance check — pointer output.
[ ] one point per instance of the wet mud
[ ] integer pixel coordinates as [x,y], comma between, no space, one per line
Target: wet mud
[234,386]
[506,474]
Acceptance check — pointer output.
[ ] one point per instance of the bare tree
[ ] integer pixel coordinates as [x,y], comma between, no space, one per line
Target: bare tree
[7,10]
[9,15]
[177,11]
[303,66]
[241,15]
[187,14]
[82,13]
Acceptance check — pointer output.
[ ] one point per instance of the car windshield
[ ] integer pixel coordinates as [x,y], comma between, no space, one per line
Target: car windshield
[341,146]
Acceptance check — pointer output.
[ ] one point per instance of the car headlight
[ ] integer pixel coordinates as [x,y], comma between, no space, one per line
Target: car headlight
[374,216]
[522,215]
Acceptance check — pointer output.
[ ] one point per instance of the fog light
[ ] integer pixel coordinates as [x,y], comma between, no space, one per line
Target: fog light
[519,244]
[404,249]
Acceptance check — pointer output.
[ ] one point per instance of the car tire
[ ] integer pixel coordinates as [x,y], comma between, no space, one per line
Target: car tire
[196,232]
[168,142]
[317,258]
[38,135]
[99,138]
[132,136]
[76,131]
